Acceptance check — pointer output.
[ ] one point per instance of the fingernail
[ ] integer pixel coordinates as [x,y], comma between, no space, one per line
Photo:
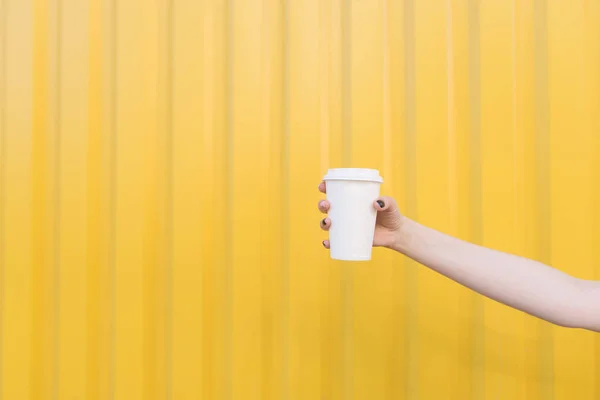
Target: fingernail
[323,242]
[324,222]
[381,203]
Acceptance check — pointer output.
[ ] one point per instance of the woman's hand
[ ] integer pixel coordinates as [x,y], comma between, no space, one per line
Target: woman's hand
[389,220]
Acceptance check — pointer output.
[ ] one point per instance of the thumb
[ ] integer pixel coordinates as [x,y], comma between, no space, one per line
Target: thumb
[385,204]
[388,213]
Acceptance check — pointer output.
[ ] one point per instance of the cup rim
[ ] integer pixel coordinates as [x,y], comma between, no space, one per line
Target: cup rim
[353,174]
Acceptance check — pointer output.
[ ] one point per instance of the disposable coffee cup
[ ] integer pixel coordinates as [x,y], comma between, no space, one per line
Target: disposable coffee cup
[351,193]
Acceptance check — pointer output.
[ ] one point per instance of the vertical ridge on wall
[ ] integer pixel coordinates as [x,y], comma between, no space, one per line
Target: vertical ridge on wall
[17,246]
[98,197]
[543,178]
[284,197]
[591,98]
[135,98]
[573,362]
[477,351]
[395,175]
[52,321]
[189,116]
[278,201]
[332,117]
[165,124]
[3,62]
[43,345]
[371,292]
[592,102]
[331,44]
[390,348]
[326,47]
[217,140]
[526,208]
[210,157]
[106,288]
[451,93]
[271,142]
[56,18]
[411,301]
[495,148]
[110,97]
[266,272]
[229,60]
[169,206]
[211,338]
[347,162]
[151,247]
[248,285]
[459,177]
[431,134]
[391,147]
[71,185]
[158,217]
[305,265]
[517,341]
[94,206]
[346,73]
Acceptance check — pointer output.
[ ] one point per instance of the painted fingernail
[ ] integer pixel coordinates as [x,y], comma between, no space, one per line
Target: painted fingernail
[381,203]
[324,222]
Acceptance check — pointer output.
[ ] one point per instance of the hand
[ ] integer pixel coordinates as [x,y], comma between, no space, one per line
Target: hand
[388,225]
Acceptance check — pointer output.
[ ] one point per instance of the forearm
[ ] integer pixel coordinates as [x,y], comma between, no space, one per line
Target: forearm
[524,284]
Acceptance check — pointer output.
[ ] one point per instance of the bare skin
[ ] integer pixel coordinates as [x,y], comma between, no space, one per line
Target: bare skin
[518,282]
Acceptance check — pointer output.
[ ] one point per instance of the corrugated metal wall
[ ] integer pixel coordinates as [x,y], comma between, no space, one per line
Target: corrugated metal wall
[158,188]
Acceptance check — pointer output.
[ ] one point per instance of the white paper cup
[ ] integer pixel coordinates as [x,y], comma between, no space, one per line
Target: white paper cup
[351,193]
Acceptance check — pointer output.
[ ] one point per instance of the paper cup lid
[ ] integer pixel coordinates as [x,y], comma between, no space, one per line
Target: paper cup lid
[353,174]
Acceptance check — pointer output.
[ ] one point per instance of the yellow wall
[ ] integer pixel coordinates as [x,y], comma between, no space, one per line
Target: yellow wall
[159,163]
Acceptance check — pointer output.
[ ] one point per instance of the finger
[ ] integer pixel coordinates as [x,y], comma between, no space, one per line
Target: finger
[326,244]
[324,206]
[322,187]
[385,204]
[325,224]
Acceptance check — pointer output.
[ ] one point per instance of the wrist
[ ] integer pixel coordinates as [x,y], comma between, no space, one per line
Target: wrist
[404,236]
